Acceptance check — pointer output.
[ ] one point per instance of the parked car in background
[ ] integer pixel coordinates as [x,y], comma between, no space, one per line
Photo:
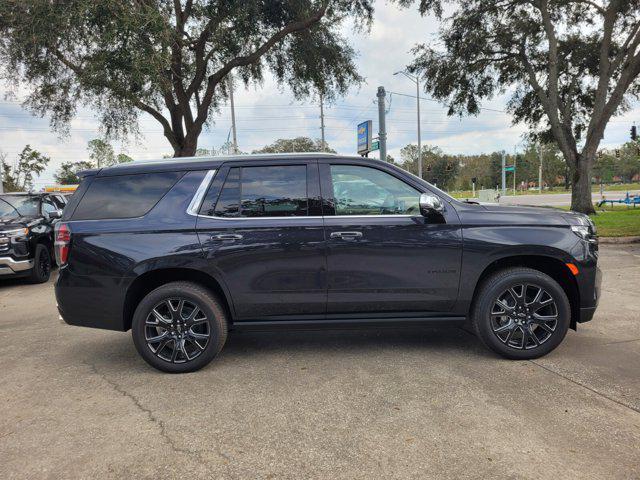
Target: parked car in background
[183,250]
[26,234]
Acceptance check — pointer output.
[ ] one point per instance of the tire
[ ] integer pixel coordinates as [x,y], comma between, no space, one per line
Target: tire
[41,271]
[518,326]
[167,316]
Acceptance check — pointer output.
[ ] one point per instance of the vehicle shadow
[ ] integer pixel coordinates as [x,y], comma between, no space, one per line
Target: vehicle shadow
[116,351]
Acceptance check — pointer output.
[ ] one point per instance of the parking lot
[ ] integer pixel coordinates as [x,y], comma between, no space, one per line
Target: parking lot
[410,403]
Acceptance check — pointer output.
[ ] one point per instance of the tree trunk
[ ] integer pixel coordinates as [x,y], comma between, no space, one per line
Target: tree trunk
[581,186]
[185,149]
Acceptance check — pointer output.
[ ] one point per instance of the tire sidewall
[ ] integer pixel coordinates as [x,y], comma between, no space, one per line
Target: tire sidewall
[36,275]
[205,301]
[499,284]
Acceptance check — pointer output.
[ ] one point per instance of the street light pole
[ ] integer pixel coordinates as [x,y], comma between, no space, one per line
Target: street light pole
[416,80]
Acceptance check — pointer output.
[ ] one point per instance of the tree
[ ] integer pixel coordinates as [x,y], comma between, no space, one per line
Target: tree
[437,168]
[571,65]
[298,144]
[20,178]
[68,172]
[102,155]
[171,59]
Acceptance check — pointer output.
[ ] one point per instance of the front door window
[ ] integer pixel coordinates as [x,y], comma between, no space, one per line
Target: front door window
[369,191]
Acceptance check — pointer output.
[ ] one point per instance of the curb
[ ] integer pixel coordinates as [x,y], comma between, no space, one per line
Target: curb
[619,240]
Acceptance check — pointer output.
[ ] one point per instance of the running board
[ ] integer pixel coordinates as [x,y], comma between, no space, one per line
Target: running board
[333,323]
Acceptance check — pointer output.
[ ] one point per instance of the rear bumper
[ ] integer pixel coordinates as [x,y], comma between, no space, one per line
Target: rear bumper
[10,266]
[95,301]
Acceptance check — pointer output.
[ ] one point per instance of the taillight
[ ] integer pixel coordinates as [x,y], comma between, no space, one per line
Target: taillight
[63,239]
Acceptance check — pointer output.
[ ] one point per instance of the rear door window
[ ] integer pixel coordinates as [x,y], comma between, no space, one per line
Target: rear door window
[124,196]
[270,191]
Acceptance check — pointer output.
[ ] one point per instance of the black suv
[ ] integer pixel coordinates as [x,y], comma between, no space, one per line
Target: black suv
[26,234]
[182,251]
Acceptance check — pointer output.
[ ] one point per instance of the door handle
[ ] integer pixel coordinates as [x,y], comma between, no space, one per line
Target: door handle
[227,236]
[346,235]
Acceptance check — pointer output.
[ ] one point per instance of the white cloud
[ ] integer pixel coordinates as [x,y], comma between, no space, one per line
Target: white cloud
[267,112]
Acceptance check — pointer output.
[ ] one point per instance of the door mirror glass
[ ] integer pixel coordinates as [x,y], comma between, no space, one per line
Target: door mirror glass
[430,204]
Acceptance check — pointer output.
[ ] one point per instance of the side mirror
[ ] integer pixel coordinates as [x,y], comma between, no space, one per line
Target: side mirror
[430,204]
[55,215]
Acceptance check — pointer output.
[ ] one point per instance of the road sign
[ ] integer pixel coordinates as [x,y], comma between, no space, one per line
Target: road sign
[510,168]
[364,137]
[375,145]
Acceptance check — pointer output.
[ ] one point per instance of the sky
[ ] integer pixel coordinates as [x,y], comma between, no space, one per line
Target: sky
[267,112]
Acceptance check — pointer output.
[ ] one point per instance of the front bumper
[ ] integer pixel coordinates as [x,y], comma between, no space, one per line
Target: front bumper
[9,266]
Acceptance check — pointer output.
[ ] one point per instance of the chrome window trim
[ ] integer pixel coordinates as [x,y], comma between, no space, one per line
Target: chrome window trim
[196,201]
[305,217]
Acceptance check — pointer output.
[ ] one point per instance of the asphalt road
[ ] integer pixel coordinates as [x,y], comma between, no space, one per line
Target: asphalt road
[417,403]
[557,199]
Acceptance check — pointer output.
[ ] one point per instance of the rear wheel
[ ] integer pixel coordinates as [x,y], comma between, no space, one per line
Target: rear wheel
[179,327]
[521,313]
[41,271]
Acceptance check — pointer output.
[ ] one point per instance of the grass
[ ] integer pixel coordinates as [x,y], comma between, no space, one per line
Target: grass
[617,221]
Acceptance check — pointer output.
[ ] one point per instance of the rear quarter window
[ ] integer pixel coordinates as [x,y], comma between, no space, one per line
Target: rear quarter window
[124,196]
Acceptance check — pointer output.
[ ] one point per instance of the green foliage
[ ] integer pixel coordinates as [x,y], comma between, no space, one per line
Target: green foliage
[622,167]
[171,59]
[437,168]
[68,172]
[30,164]
[298,144]
[569,65]
[102,154]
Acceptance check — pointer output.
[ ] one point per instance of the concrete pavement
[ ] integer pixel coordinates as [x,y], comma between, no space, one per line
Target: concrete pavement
[362,404]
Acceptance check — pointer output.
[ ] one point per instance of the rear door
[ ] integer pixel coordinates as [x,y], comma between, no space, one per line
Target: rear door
[383,256]
[261,229]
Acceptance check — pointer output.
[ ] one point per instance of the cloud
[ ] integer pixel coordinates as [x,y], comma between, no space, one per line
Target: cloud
[267,111]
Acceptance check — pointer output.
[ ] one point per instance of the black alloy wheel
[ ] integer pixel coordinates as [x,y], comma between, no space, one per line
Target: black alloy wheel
[179,327]
[521,313]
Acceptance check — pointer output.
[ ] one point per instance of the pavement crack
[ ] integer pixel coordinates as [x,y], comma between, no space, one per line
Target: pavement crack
[622,341]
[152,417]
[586,387]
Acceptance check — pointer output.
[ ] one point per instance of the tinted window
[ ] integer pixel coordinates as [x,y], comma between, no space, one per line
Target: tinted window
[368,191]
[276,191]
[125,196]
[229,202]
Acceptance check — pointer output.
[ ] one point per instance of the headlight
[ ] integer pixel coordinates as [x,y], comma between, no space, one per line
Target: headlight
[584,232]
[18,232]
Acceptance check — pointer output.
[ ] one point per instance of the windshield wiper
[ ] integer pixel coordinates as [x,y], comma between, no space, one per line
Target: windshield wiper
[11,206]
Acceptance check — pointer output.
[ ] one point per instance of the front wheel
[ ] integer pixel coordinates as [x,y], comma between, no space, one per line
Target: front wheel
[179,327]
[521,313]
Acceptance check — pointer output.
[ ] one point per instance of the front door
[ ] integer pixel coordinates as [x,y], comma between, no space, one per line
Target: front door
[261,229]
[383,256]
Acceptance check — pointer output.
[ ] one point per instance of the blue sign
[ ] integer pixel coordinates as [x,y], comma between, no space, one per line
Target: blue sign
[364,137]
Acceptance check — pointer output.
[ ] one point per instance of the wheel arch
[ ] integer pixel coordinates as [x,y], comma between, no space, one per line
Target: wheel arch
[551,266]
[153,279]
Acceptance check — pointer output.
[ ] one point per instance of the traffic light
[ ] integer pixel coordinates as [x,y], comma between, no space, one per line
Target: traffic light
[617,153]
[634,133]
[474,180]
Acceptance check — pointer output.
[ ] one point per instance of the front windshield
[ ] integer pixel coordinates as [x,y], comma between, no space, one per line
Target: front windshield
[23,205]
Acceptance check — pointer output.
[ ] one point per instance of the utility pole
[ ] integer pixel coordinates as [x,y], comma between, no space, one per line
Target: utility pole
[382,123]
[416,80]
[540,170]
[324,147]
[1,174]
[504,173]
[233,116]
